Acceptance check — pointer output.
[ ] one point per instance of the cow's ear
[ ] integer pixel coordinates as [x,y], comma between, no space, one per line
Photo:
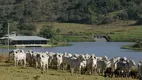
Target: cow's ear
[42,56]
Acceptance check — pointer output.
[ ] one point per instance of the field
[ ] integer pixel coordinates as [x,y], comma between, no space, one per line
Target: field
[118,31]
[9,72]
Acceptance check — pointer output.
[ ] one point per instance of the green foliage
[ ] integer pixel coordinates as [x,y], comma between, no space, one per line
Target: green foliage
[139,22]
[104,19]
[27,26]
[123,15]
[137,45]
[58,30]
[47,32]
[26,29]
[77,11]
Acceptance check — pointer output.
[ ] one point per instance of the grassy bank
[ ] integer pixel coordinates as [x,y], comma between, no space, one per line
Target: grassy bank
[73,38]
[136,46]
[10,72]
[6,46]
[55,43]
[118,31]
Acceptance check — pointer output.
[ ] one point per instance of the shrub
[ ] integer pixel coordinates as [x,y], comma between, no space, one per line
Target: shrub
[139,22]
[104,19]
[123,15]
[47,32]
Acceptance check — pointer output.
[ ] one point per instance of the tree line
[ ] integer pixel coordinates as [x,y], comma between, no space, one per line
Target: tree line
[73,11]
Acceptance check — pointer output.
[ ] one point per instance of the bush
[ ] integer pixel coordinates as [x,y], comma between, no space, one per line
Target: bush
[104,19]
[27,26]
[26,32]
[47,32]
[123,15]
[139,22]
[27,29]
[137,45]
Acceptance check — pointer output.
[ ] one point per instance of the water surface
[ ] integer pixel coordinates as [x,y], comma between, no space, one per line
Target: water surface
[110,49]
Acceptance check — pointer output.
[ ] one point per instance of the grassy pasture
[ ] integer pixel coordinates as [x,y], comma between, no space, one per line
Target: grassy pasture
[118,31]
[9,72]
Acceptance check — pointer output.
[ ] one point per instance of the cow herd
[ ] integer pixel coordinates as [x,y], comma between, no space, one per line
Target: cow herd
[78,63]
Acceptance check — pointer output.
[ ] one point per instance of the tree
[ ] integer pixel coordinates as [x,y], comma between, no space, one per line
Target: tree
[26,28]
[47,32]
[139,22]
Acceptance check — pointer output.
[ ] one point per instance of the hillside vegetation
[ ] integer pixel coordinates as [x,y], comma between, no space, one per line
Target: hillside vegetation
[78,11]
[118,31]
[72,20]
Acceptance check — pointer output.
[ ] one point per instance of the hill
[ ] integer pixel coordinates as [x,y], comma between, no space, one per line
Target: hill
[76,11]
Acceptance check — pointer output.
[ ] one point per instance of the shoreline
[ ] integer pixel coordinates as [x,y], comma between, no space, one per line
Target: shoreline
[131,48]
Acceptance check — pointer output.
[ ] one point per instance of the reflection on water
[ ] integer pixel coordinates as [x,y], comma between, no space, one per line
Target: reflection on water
[111,49]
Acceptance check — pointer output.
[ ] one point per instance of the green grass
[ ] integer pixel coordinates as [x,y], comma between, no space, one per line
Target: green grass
[132,47]
[10,72]
[120,31]
[75,38]
[6,46]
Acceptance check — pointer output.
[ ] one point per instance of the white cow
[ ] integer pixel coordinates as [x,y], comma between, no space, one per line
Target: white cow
[87,56]
[104,58]
[76,55]
[74,62]
[59,60]
[65,54]
[114,62]
[43,60]
[19,56]
[83,64]
[103,64]
[51,57]
[140,69]
[92,64]
[131,65]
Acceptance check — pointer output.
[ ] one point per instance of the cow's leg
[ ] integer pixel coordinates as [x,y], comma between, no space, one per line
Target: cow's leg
[24,62]
[72,71]
[36,64]
[91,70]
[17,61]
[79,70]
[58,67]
[43,68]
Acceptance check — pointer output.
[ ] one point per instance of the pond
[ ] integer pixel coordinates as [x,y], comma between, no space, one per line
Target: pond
[110,49]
